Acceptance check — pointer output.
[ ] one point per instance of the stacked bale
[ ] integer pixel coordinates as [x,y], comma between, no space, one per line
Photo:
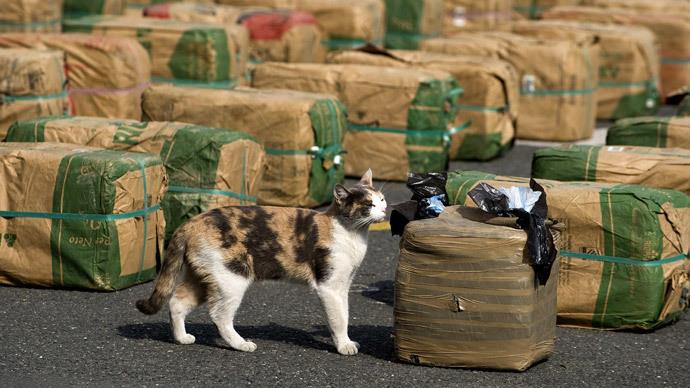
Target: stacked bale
[667,25]
[628,64]
[534,9]
[275,35]
[624,264]
[348,23]
[462,15]
[106,75]
[464,296]
[408,22]
[488,104]
[206,167]
[30,15]
[32,84]
[79,8]
[654,167]
[302,133]
[664,132]
[185,53]
[79,217]
[558,78]
[400,116]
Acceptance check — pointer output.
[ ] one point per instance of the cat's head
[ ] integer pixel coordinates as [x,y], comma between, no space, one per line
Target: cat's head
[361,204]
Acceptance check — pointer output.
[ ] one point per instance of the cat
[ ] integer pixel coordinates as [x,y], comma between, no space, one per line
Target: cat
[216,255]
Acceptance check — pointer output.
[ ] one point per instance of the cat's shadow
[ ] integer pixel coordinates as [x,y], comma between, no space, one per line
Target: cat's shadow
[375,341]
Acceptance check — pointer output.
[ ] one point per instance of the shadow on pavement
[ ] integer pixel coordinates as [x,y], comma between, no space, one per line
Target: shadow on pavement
[375,341]
[382,291]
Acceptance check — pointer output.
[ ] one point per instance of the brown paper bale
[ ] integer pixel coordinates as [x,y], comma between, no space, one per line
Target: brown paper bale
[79,217]
[559,78]
[212,55]
[667,168]
[207,167]
[628,64]
[302,133]
[464,297]
[107,75]
[348,23]
[489,101]
[400,116]
[31,85]
[464,15]
[667,25]
[664,132]
[534,9]
[30,15]
[275,35]
[624,262]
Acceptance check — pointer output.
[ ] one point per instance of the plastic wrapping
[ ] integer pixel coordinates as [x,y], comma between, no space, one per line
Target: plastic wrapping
[540,246]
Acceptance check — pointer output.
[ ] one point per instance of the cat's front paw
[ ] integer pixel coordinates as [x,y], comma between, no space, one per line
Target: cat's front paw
[349,348]
[186,339]
[246,346]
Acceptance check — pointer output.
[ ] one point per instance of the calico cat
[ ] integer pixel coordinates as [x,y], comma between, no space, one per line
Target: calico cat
[216,255]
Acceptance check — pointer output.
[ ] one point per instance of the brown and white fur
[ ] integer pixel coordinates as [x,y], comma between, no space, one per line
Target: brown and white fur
[215,256]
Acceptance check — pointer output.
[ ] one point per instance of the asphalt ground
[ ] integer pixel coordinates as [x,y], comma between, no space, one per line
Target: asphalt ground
[72,338]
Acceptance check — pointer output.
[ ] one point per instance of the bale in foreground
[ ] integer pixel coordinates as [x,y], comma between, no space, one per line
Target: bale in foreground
[79,217]
[464,297]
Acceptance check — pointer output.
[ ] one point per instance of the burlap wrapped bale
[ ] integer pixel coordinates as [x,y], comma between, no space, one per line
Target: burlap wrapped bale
[664,132]
[684,106]
[32,84]
[201,54]
[640,5]
[275,35]
[79,8]
[463,15]
[30,15]
[400,116]
[628,64]
[206,167]
[489,102]
[107,75]
[302,133]
[624,262]
[408,22]
[668,26]
[534,9]
[667,168]
[558,77]
[464,297]
[347,23]
[79,217]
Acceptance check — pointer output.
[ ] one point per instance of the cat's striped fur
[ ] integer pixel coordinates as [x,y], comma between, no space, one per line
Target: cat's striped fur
[216,255]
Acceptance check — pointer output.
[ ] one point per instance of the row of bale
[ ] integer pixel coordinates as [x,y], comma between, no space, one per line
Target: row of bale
[122,120]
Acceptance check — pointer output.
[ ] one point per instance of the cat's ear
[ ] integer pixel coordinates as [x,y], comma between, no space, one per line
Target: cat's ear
[340,193]
[366,179]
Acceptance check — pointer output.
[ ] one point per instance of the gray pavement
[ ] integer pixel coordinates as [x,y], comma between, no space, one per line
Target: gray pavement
[71,338]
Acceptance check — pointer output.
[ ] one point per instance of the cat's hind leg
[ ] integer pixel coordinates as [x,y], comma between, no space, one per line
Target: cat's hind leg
[187,296]
[224,300]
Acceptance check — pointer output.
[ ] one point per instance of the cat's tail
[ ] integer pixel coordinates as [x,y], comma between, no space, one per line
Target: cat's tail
[165,282]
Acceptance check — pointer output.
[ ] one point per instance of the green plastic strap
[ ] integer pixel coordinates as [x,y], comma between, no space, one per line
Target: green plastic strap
[623,260]
[229,84]
[415,132]
[481,108]
[314,151]
[51,22]
[675,61]
[626,85]
[146,218]
[348,43]
[414,35]
[11,99]
[557,92]
[80,216]
[197,190]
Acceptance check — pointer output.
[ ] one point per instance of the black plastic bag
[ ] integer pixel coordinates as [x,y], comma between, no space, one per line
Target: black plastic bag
[427,189]
[540,246]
